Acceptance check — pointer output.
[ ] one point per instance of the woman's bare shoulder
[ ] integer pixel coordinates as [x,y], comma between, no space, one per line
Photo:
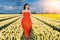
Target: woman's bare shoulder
[30,11]
[26,10]
[23,10]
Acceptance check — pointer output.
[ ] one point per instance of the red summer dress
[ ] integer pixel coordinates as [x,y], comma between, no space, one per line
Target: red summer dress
[26,23]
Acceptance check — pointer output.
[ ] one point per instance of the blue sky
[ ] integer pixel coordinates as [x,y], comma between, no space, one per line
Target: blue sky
[16,6]
[11,6]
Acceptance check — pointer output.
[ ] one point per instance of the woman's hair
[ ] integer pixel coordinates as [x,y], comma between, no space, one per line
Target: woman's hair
[25,6]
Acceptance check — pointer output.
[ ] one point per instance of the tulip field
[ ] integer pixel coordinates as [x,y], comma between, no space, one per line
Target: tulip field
[44,27]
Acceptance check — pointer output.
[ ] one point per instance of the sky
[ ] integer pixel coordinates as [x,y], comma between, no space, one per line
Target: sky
[38,6]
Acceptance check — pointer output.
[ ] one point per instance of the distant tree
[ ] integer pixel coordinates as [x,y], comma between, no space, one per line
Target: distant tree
[34,13]
[46,13]
[20,12]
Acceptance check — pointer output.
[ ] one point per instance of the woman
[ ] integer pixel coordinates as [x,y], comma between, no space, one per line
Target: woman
[26,21]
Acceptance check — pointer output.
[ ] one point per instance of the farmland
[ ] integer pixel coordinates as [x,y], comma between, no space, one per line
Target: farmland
[44,27]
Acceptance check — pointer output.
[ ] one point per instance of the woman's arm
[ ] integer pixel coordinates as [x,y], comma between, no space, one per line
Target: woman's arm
[30,16]
[21,16]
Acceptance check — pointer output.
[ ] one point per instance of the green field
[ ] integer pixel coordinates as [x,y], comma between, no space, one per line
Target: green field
[43,27]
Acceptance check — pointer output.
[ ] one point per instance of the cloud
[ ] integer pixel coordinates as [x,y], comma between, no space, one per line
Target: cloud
[9,8]
[52,5]
[42,6]
[22,0]
[37,6]
[1,11]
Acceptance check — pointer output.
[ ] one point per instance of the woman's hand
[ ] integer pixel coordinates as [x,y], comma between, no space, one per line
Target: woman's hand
[21,19]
